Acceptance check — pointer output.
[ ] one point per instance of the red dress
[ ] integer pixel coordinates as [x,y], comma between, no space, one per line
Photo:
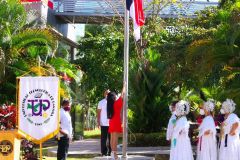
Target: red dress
[115,124]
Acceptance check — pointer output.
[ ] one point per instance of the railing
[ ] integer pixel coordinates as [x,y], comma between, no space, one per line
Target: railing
[114,8]
[86,6]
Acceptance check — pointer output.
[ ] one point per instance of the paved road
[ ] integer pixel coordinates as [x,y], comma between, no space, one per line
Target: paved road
[91,148]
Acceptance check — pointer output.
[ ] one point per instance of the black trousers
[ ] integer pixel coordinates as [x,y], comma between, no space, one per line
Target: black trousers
[63,145]
[105,141]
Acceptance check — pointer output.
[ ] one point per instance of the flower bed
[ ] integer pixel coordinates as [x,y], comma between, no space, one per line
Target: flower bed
[7,117]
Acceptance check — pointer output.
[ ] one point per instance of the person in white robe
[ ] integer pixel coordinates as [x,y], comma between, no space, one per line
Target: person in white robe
[180,143]
[229,139]
[172,121]
[207,144]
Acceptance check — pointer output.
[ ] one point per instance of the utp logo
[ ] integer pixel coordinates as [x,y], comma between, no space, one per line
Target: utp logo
[6,147]
[38,107]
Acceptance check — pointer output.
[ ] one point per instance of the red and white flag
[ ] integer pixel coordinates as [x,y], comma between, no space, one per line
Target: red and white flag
[135,8]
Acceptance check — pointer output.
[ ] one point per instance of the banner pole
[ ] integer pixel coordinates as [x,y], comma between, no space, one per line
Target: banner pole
[40,150]
[125,98]
[17,99]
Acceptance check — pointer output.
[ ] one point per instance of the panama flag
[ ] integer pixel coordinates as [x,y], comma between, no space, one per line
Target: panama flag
[50,4]
[135,8]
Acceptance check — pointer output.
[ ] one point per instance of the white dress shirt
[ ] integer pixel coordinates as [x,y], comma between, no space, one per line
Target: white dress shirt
[65,123]
[102,105]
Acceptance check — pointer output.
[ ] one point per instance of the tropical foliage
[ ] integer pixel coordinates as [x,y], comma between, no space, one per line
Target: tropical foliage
[218,54]
[100,58]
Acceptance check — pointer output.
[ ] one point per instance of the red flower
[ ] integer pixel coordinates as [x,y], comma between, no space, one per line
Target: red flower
[7,117]
[65,77]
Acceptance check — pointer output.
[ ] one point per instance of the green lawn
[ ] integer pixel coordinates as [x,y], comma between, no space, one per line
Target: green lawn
[92,133]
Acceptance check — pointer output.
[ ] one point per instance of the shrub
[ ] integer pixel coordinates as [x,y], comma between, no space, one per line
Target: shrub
[147,139]
[158,138]
[29,153]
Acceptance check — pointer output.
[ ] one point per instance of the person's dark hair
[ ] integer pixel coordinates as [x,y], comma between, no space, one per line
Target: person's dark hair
[202,96]
[174,103]
[110,102]
[64,102]
[211,113]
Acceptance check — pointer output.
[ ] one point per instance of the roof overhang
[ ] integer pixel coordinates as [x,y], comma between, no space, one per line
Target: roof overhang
[63,38]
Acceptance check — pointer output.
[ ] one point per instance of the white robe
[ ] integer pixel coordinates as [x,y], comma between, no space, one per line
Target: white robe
[229,149]
[207,144]
[171,123]
[180,145]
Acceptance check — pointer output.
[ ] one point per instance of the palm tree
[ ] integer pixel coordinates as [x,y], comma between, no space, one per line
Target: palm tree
[24,48]
[16,40]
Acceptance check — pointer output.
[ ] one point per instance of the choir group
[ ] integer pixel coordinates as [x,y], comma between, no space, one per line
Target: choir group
[226,146]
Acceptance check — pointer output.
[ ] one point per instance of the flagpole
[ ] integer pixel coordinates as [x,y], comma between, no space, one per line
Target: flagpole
[125,98]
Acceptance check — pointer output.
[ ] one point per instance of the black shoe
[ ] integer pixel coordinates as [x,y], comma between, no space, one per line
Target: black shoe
[104,154]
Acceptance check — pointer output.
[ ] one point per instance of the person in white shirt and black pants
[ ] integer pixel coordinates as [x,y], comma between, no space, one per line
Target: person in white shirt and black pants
[104,123]
[65,133]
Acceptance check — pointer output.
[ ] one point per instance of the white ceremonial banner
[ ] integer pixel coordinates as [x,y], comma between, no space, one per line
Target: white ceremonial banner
[38,107]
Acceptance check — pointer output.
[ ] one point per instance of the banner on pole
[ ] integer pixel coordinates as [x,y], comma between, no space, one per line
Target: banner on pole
[38,107]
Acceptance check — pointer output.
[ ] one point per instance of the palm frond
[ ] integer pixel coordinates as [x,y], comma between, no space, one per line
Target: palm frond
[33,37]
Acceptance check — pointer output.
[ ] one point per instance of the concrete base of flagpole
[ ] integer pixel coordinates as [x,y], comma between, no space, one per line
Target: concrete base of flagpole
[129,157]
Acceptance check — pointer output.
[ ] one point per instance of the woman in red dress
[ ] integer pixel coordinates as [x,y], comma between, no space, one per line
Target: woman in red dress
[114,113]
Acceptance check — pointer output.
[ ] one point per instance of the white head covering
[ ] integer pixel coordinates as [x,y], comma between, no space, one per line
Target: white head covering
[228,106]
[209,105]
[182,108]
